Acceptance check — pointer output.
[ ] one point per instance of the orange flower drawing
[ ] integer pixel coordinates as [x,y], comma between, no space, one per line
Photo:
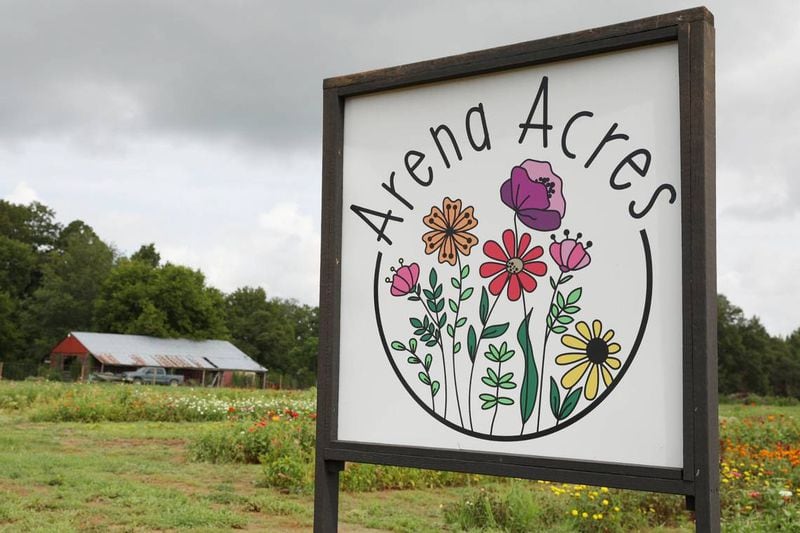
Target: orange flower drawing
[450,234]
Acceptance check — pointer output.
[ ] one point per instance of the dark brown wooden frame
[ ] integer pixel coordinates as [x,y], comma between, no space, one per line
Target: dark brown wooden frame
[698,480]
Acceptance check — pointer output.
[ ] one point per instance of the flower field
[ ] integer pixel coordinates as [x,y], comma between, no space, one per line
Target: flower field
[57,402]
[266,440]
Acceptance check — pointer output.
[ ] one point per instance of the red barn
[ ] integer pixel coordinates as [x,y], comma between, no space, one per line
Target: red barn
[81,353]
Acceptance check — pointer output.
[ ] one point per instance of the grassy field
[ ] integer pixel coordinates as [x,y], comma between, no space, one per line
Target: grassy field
[143,475]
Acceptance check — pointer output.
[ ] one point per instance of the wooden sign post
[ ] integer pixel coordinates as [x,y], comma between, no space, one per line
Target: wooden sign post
[518,269]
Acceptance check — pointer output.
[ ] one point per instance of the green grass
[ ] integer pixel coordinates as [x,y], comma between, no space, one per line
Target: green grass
[64,477]
[139,476]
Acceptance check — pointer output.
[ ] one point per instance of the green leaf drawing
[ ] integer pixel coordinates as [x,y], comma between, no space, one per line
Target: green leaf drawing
[438,291]
[489,401]
[505,354]
[569,403]
[493,354]
[416,322]
[553,310]
[435,387]
[423,377]
[428,361]
[506,378]
[457,347]
[559,329]
[565,319]
[455,282]
[494,331]
[397,345]
[461,321]
[464,271]
[572,309]
[442,319]
[503,400]
[484,307]
[453,305]
[560,300]
[566,278]
[451,330]
[472,343]
[552,283]
[414,360]
[431,343]
[428,294]
[412,345]
[530,379]
[433,279]
[555,397]
[574,296]
[466,294]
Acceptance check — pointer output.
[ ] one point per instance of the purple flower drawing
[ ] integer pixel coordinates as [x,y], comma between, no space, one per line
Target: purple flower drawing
[535,194]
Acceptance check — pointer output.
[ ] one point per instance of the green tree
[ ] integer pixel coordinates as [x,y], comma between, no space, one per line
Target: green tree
[71,277]
[33,224]
[259,327]
[147,254]
[280,334]
[19,267]
[168,301]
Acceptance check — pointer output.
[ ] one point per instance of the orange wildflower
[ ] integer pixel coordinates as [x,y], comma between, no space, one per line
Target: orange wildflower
[450,227]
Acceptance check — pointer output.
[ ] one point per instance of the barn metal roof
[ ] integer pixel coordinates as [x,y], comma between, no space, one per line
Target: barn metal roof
[139,350]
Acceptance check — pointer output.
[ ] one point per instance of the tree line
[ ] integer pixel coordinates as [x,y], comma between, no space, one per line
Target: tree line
[58,278]
[55,279]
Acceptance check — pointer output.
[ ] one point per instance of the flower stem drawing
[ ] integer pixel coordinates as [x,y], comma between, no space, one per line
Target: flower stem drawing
[433,322]
[498,380]
[425,375]
[455,307]
[473,341]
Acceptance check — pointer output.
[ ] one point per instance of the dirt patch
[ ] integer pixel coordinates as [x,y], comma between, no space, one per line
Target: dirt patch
[133,443]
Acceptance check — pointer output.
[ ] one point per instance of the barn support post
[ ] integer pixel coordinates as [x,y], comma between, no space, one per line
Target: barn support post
[1,370]
[263,380]
[203,379]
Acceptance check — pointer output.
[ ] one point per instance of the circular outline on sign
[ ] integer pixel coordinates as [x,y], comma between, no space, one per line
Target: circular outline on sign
[527,436]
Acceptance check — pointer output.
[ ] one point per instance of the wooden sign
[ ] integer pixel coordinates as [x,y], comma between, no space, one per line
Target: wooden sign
[518,272]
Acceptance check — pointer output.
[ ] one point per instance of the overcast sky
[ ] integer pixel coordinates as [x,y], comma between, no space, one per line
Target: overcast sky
[196,125]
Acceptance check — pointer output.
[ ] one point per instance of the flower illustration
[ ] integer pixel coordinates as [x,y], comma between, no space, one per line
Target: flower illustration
[535,194]
[450,234]
[404,279]
[592,354]
[514,265]
[570,254]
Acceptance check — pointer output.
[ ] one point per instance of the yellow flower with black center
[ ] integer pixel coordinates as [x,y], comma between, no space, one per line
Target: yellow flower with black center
[591,358]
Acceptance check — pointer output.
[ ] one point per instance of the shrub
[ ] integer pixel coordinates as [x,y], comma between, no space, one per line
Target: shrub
[541,506]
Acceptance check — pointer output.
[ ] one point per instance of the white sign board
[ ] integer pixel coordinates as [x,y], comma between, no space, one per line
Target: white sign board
[511,262]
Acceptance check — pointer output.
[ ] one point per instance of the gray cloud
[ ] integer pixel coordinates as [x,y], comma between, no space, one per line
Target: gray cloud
[93,90]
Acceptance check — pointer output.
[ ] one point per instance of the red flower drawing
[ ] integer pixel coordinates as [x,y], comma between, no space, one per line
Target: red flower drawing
[514,265]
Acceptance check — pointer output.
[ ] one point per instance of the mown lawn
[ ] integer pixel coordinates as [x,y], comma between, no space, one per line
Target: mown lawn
[142,475]
[136,477]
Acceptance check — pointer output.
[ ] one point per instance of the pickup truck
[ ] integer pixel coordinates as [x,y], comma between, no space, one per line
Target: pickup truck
[152,375]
